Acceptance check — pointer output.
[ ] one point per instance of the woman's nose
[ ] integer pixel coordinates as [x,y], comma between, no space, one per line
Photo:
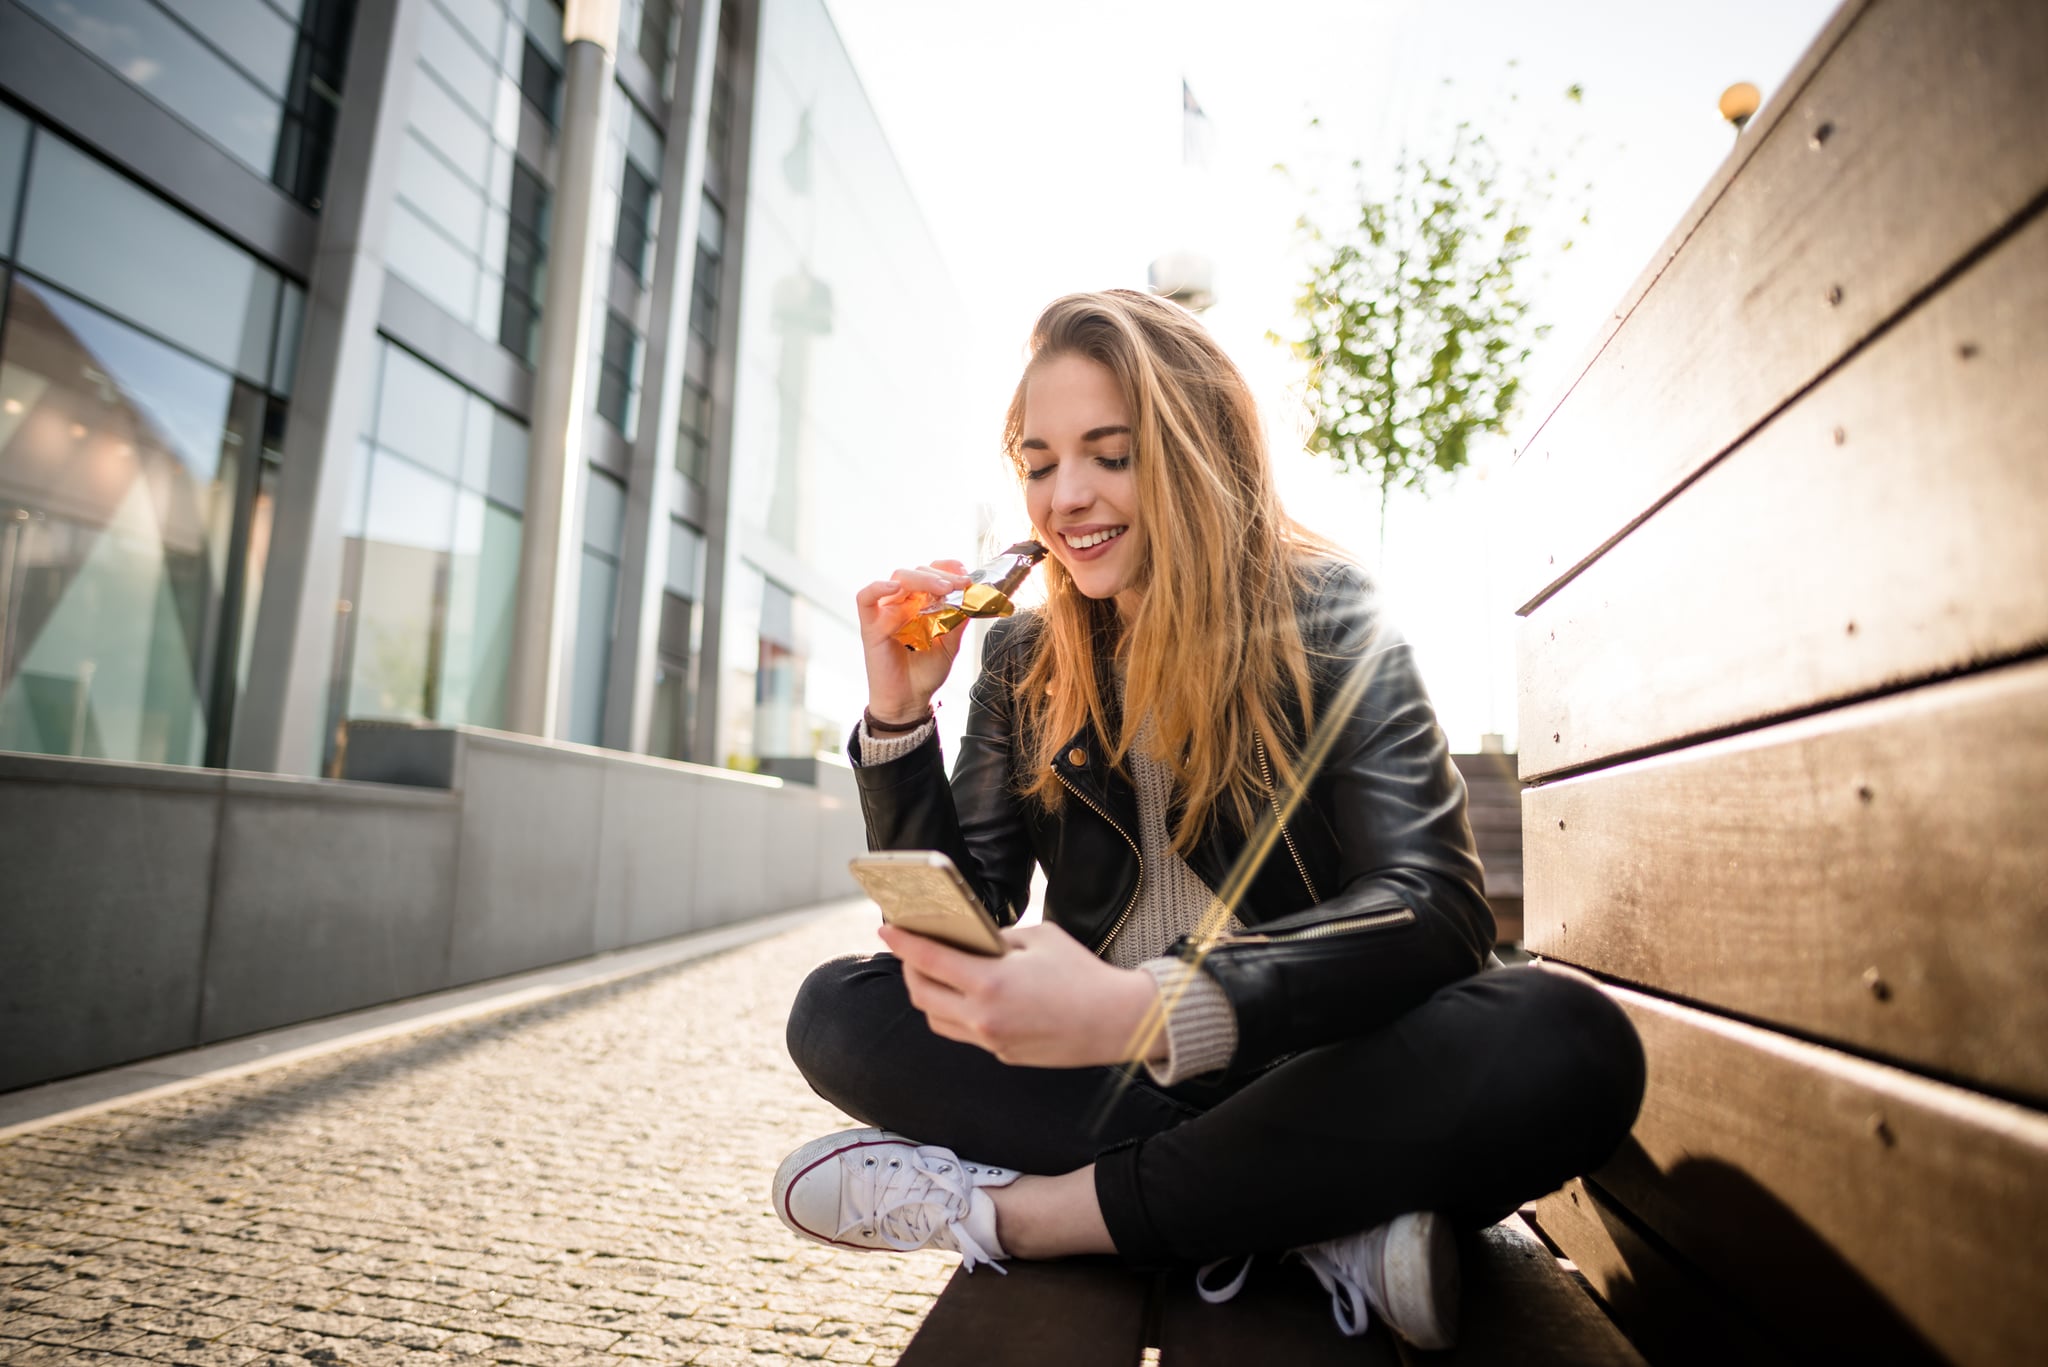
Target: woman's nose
[1071,492]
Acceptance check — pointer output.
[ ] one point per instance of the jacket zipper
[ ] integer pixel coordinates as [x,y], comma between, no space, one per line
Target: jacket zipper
[1103,943]
[1273,797]
[1371,920]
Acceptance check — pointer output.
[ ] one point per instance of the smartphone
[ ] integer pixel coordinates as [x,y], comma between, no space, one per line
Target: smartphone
[921,891]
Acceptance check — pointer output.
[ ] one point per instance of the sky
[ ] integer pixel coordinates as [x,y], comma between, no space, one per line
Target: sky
[1044,143]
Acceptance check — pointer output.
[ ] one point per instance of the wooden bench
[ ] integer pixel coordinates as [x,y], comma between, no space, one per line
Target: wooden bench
[1784,714]
[1520,1308]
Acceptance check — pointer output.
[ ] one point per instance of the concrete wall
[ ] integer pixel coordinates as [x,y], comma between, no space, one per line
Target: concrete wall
[146,909]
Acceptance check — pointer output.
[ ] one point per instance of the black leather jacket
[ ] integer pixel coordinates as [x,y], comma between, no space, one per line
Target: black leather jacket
[1370,903]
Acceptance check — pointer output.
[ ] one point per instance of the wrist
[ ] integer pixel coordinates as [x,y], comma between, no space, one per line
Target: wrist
[908,714]
[1145,1034]
[878,725]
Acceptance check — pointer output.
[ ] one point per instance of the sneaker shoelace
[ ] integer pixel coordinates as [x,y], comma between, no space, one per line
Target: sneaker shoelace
[917,1200]
[1346,1286]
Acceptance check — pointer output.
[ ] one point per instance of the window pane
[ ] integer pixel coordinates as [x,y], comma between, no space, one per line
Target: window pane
[604,515]
[452,56]
[419,412]
[508,461]
[430,262]
[291,321]
[101,235]
[443,196]
[675,678]
[615,387]
[483,579]
[248,33]
[595,593]
[704,297]
[636,211]
[400,605]
[13,152]
[153,52]
[483,20]
[655,19]
[445,123]
[540,81]
[685,560]
[114,509]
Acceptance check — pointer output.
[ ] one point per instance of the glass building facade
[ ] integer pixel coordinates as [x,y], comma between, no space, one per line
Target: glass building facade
[843,325]
[729,500]
[145,376]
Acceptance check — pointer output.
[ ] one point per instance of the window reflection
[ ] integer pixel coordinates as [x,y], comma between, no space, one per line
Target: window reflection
[430,567]
[115,510]
[263,86]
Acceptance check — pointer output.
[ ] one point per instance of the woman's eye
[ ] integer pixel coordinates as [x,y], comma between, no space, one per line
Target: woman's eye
[1113,462]
[1040,472]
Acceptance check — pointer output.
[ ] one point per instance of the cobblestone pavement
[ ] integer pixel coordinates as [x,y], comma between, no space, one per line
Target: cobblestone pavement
[580,1181]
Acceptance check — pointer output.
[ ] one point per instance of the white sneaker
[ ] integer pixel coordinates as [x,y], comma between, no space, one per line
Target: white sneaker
[1405,1269]
[872,1189]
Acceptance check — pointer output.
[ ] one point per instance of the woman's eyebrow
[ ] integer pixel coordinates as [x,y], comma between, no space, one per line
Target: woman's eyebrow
[1092,434]
[1098,433]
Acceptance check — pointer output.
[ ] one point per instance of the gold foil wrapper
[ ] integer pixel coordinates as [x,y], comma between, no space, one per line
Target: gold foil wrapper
[987,595]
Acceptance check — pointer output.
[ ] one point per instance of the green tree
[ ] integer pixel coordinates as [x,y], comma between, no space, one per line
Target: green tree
[1414,320]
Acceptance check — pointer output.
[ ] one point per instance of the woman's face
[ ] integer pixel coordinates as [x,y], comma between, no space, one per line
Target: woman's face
[1078,481]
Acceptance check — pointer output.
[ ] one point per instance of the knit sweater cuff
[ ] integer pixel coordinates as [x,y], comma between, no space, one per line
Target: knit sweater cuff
[1201,1029]
[881,749]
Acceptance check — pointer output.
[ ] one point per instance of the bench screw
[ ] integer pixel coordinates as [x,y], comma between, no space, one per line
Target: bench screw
[1879,988]
[1864,793]
[1834,295]
[1880,1131]
[1841,436]
[1968,351]
[1820,135]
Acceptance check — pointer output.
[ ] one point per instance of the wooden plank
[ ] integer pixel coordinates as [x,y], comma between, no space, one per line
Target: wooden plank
[1521,1310]
[1874,876]
[1920,137]
[1665,1307]
[1885,528]
[1883,1215]
[1089,1312]
[1281,1315]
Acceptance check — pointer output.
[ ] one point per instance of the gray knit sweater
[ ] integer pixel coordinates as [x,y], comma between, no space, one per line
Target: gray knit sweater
[1201,1031]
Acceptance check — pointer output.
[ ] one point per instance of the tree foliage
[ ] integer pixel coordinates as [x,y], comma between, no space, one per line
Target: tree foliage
[1414,320]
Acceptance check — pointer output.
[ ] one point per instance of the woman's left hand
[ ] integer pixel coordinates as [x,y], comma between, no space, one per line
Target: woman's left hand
[1048,1003]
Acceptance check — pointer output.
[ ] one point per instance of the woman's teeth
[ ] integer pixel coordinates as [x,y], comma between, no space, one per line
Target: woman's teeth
[1082,543]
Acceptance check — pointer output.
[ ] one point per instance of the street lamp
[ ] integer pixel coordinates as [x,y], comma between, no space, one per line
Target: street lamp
[1738,102]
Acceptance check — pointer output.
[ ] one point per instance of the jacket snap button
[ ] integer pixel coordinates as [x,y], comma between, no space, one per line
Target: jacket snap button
[1077,756]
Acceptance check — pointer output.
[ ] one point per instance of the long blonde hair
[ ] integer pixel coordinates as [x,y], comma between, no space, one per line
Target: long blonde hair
[1213,653]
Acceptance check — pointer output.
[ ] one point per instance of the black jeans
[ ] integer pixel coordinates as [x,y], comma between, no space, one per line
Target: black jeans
[1496,1090]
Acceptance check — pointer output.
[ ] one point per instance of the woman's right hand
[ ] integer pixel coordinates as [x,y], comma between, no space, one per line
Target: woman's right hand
[901,682]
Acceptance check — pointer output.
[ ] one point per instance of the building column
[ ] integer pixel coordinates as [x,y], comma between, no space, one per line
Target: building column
[724,384]
[651,479]
[550,549]
[280,718]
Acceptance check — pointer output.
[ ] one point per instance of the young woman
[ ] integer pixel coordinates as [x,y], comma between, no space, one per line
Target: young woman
[1330,1072]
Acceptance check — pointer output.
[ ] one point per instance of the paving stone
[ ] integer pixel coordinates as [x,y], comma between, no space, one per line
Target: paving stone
[581,1181]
